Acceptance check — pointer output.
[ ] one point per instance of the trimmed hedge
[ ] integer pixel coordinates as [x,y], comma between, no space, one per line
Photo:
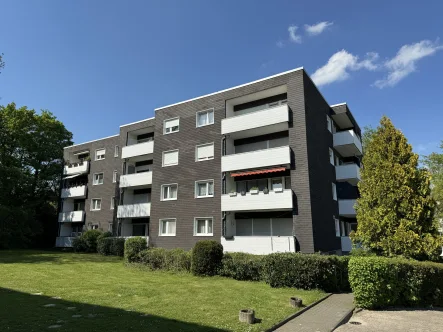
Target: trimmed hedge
[87,242]
[206,258]
[164,259]
[111,246]
[379,282]
[242,266]
[133,246]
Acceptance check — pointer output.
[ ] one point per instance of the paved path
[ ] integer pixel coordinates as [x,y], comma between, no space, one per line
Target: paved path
[323,317]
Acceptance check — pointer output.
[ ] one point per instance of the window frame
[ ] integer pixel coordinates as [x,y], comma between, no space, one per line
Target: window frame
[94,183]
[164,125]
[161,226]
[206,226]
[204,181]
[114,176]
[204,144]
[104,154]
[331,157]
[112,203]
[91,208]
[161,192]
[94,226]
[329,123]
[334,191]
[337,227]
[116,151]
[207,116]
[163,157]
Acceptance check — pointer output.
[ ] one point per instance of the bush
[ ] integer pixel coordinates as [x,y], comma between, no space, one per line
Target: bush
[104,235]
[133,246]
[241,266]
[110,246]
[381,282]
[328,273]
[87,242]
[104,246]
[360,252]
[163,259]
[78,244]
[117,247]
[206,258]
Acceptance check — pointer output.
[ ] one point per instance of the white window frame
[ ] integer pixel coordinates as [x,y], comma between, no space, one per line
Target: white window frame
[94,226]
[329,123]
[206,226]
[95,183]
[207,117]
[337,227]
[161,226]
[104,154]
[207,186]
[92,204]
[163,157]
[205,144]
[112,202]
[164,125]
[110,225]
[163,186]
[343,230]
[114,176]
[116,150]
[331,156]
[334,191]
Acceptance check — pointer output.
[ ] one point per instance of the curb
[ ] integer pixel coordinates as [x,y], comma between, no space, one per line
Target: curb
[298,313]
[346,317]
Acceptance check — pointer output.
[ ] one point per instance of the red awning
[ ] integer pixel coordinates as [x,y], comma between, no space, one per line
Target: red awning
[260,171]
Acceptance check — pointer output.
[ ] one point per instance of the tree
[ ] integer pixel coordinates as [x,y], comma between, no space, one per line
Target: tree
[31,160]
[395,210]
[434,163]
[368,133]
[2,63]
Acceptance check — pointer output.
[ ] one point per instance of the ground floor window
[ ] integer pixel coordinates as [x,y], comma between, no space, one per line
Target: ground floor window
[264,227]
[167,227]
[139,230]
[203,226]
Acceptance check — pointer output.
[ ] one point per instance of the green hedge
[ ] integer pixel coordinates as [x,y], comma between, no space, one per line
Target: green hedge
[241,266]
[328,273]
[164,259]
[206,258]
[87,242]
[133,246]
[381,282]
[110,246]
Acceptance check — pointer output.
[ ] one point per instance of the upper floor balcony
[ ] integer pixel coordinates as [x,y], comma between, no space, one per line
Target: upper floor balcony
[257,159]
[76,168]
[139,149]
[136,179]
[347,143]
[71,216]
[137,210]
[74,192]
[346,208]
[256,201]
[348,172]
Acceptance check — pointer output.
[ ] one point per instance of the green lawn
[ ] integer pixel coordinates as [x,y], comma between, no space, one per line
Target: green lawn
[112,297]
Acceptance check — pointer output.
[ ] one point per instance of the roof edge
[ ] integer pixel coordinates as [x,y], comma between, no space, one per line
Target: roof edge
[96,140]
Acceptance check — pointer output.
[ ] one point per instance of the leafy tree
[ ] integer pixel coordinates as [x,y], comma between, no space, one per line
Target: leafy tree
[368,133]
[395,210]
[31,159]
[434,163]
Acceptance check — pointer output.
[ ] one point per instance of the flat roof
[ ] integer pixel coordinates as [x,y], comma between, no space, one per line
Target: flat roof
[128,124]
[71,146]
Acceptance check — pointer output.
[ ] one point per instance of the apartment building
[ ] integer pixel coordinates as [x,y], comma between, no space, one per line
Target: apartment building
[267,166]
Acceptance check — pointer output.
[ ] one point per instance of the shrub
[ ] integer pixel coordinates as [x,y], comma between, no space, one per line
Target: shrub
[242,266]
[90,238]
[117,247]
[206,258]
[133,246]
[104,245]
[380,282]
[360,252]
[111,246]
[78,244]
[163,259]
[306,271]
[104,235]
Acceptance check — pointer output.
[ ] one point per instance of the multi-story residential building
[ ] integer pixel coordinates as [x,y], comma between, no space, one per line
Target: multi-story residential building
[267,166]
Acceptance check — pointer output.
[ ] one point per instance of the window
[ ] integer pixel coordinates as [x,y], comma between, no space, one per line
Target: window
[112,203]
[329,121]
[204,152]
[100,154]
[331,156]
[205,118]
[170,158]
[343,230]
[203,227]
[169,192]
[110,227]
[96,204]
[337,161]
[287,182]
[116,151]
[94,226]
[114,176]
[98,179]
[139,230]
[167,227]
[148,137]
[337,227]
[171,126]
[277,184]
[204,188]
[334,192]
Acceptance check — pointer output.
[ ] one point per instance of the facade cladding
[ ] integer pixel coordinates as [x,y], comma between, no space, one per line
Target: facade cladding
[267,166]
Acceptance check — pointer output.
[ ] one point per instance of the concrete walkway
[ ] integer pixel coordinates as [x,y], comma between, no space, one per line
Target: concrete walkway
[323,317]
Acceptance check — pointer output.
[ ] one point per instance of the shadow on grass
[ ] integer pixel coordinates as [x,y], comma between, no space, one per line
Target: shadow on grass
[26,312]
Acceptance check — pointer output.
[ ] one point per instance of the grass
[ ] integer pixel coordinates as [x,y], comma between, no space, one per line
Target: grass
[112,297]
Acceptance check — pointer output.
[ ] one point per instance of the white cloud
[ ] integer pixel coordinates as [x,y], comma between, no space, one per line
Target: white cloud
[316,29]
[404,63]
[292,36]
[280,44]
[339,64]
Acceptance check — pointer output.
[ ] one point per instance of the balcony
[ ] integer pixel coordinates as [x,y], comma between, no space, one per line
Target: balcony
[347,143]
[262,122]
[346,207]
[257,159]
[259,245]
[136,179]
[348,173]
[74,192]
[139,149]
[76,168]
[71,216]
[255,202]
[134,210]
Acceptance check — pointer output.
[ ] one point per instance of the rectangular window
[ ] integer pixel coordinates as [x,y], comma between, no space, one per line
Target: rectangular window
[170,158]
[169,192]
[337,161]
[204,188]
[100,154]
[98,179]
[204,152]
[116,151]
[96,204]
[203,227]
[329,123]
[114,177]
[139,230]
[334,192]
[94,226]
[110,227]
[205,118]
[171,126]
[331,156]
[337,227]
[112,203]
[287,182]
[167,227]
[343,229]
[277,184]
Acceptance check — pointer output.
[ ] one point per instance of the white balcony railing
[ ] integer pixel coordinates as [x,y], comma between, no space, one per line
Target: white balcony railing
[74,192]
[139,149]
[252,202]
[259,245]
[71,216]
[136,179]
[134,210]
[346,207]
[349,173]
[76,168]
[257,159]
[347,143]
[267,117]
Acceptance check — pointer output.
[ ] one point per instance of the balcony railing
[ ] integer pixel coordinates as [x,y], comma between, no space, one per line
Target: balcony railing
[346,207]
[257,159]
[136,179]
[259,245]
[347,143]
[261,201]
[134,210]
[74,192]
[349,173]
[71,216]
[140,149]
[76,168]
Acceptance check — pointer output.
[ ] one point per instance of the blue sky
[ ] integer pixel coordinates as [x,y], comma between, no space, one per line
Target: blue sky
[99,64]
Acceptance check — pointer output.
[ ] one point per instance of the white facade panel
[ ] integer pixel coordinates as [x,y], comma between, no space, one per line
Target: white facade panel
[134,210]
[346,207]
[349,173]
[259,245]
[251,202]
[139,149]
[256,159]
[136,179]
[71,216]
[76,168]
[346,243]
[74,192]
[347,143]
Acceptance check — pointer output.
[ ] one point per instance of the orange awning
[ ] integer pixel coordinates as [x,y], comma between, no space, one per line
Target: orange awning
[259,171]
